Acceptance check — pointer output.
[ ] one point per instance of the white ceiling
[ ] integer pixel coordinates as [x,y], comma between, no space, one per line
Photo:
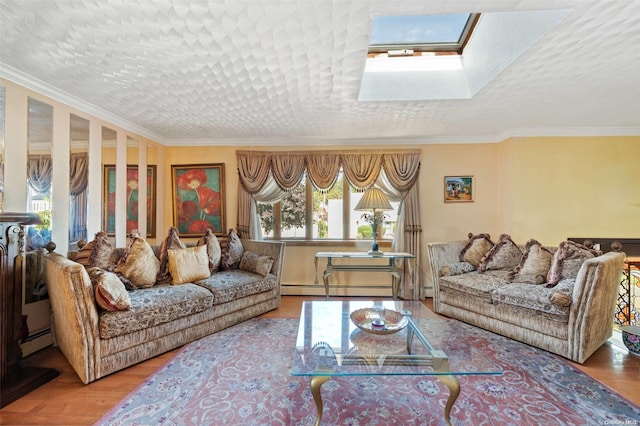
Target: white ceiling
[289,72]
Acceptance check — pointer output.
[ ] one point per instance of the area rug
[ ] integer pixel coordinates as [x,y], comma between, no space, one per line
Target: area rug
[241,376]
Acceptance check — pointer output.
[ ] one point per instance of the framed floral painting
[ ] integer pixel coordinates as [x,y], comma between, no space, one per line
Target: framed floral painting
[198,199]
[131,210]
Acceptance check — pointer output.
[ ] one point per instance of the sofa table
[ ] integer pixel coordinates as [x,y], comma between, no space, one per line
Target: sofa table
[362,267]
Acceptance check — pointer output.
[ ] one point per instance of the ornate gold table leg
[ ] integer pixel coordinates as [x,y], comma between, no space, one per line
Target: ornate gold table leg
[316,383]
[454,390]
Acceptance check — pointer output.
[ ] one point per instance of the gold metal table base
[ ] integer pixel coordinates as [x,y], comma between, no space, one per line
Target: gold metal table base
[451,382]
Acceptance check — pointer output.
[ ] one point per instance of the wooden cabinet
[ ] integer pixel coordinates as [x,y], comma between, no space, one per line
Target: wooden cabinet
[15,379]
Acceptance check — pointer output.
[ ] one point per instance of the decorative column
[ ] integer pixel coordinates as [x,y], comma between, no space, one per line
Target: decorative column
[15,380]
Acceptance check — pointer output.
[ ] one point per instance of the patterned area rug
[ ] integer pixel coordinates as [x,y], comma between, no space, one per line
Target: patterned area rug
[241,376]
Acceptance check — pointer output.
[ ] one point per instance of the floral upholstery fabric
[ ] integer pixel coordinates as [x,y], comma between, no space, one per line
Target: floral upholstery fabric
[477,284]
[153,306]
[530,296]
[236,283]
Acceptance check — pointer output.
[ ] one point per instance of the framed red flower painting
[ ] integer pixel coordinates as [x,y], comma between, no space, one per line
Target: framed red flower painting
[198,199]
[132,197]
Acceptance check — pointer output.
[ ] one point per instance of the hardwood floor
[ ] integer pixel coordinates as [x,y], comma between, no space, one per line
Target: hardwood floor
[66,401]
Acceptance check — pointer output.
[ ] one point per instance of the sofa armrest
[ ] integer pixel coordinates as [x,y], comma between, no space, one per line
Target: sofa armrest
[441,254]
[75,315]
[592,307]
[274,249]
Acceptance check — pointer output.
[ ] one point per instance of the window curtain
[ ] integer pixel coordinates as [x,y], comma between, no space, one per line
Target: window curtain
[39,173]
[266,176]
[78,180]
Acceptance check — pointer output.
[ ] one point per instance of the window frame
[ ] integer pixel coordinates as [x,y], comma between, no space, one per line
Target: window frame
[417,49]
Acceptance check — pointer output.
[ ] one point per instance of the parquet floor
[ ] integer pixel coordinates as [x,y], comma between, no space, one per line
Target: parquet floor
[66,401]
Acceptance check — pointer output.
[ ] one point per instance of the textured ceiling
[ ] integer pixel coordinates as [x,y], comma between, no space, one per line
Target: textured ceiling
[278,72]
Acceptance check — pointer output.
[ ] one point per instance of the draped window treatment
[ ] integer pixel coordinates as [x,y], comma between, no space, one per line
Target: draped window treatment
[266,176]
[78,180]
[39,172]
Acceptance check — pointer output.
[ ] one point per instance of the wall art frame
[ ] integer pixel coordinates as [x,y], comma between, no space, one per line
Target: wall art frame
[199,203]
[109,194]
[459,189]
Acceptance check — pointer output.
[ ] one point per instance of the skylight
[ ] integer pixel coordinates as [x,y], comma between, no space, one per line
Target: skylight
[409,35]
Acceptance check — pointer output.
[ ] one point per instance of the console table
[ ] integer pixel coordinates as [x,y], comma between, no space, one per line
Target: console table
[389,267]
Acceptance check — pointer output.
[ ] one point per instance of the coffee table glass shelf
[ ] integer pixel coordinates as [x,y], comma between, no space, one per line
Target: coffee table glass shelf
[329,344]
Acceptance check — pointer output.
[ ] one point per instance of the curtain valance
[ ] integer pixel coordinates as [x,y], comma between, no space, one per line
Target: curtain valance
[361,168]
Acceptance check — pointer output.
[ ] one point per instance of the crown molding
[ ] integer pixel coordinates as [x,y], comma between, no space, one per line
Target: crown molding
[9,73]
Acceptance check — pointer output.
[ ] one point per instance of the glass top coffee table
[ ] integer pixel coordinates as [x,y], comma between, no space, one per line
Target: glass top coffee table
[410,341]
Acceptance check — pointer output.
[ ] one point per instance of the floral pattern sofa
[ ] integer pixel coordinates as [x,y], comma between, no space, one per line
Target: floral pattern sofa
[560,299]
[107,317]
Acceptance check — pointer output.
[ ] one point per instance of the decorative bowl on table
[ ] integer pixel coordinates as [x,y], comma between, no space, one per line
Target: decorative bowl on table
[379,321]
[631,338]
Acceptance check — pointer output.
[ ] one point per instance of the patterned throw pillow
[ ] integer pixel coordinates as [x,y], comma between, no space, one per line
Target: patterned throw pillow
[139,263]
[503,256]
[476,248]
[534,265]
[110,292]
[253,262]
[188,265]
[96,253]
[567,261]
[170,243]
[456,269]
[214,252]
[233,254]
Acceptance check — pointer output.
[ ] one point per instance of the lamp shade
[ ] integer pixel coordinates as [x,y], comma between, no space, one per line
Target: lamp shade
[373,199]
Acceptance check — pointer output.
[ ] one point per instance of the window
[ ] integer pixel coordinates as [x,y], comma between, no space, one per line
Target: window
[306,213]
[418,34]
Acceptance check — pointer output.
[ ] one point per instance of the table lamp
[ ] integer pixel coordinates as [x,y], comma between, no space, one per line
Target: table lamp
[374,199]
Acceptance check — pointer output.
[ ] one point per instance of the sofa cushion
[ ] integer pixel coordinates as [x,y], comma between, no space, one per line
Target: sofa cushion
[567,261]
[110,292]
[476,248]
[456,269]
[474,283]
[171,242]
[504,255]
[154,306]
[253,262]
[139,263]
[236,283]
[188,264]
[96,253]
[532,297]
[233,253]
[214,251]
[534,265]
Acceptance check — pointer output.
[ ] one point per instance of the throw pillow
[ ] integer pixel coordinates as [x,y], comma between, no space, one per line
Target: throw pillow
[456,269]
[232,256]
[139,263]
[534,265]
[503,256]
[171,242]
[253,262]
[101,252]
[213,250]
[96,253]
[110,292]
[188,265]
[84,254]
[567,261]
[560,298]
[476,248]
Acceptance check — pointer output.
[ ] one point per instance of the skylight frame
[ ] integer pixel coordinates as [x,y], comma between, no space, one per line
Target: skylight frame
[438,48]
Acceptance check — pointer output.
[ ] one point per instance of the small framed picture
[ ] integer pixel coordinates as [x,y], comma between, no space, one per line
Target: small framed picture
[459,189]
